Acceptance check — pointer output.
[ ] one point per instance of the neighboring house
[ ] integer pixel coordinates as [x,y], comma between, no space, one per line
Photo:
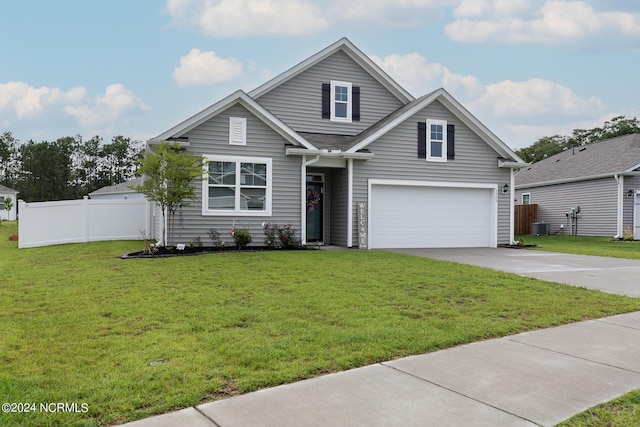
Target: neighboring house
[6,192]
[337,148]
[119,191]
[602,179]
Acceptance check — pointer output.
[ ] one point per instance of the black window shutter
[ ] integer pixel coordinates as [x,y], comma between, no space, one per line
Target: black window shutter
[422,140]
[451,142]
[326,100]
[355,106]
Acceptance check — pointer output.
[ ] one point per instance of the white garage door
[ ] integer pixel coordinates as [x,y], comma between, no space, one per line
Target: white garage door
[403,216]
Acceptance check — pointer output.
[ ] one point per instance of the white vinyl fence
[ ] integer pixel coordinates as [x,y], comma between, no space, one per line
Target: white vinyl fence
[74,221]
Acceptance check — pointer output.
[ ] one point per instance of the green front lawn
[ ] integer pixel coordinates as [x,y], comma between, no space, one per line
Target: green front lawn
[134,338]
[585,245]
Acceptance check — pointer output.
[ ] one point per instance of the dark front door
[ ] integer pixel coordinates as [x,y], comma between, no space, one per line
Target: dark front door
[314,211]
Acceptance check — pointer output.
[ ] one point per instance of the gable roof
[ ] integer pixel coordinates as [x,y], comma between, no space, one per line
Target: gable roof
[354,53]
[122,188]
[4,189]
[241,98]
[598,160]
[441,95]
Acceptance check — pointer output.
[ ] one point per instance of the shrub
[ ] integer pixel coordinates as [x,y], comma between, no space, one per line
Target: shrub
[214,235]
[242,237]
[281,236]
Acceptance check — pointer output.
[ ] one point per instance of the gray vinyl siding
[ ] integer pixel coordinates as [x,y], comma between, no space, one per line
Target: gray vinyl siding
[630,183]
[212,138]
[298,101]
[598,201]
[396,158]
[339,207]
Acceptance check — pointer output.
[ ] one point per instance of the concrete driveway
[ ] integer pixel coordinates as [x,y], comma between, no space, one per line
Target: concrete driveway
[613,275]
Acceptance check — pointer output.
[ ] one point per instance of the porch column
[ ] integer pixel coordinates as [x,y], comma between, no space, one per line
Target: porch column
[350,203]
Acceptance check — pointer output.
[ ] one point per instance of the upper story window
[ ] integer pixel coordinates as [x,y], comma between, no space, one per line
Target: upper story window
[437,140]
[526,199]
[341,102]
[341,105]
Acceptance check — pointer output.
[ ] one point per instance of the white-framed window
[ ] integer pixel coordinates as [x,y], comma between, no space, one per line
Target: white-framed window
[237,131]
[341,101]
[436,140]
[526,198]
[237,185]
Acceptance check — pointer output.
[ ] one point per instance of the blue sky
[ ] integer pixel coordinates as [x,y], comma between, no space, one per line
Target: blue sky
[525,68]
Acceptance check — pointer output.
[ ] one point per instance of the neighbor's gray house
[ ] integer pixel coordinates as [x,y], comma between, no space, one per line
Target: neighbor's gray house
[119,191]
[6,192]
[602,179]
[340,150]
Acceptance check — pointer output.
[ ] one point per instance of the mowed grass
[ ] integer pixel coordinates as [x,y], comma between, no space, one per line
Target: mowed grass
[621,412]
[585,245]
[138,337]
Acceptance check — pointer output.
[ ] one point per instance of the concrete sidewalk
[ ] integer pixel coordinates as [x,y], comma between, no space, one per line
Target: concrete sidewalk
[535,378]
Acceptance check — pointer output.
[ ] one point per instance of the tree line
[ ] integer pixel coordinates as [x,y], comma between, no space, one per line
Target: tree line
[67,168]
[549,145]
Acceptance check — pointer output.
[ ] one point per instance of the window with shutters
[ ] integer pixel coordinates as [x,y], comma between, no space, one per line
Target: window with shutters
[237,131]
[341,105]
[437,140]
[240,185]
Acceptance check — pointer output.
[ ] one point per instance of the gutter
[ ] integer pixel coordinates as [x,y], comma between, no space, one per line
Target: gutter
[579,179]
[295,151]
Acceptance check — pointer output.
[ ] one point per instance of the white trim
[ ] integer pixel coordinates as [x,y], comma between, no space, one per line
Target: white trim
[400,182]
[512,208]
[525,194]
[620,206]
[443,157]
[237,131]
[349,102]
[636,215]
[578,179]
[350,203]
[236,212]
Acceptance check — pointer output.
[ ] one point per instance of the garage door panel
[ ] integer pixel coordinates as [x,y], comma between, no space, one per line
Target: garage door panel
[416,216]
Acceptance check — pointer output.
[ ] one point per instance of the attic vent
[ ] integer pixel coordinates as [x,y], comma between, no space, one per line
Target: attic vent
[237,131]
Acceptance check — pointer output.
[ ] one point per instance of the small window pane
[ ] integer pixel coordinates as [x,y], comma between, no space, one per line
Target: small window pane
[436,149]
[341,110]
[222,198]
[253,199]
[342,93]
[222,173]
[254,174]
[436,132]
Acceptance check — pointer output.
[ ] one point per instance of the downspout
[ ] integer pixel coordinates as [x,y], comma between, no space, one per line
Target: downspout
[512,198]
[303,196]
[619,226]
[350,203]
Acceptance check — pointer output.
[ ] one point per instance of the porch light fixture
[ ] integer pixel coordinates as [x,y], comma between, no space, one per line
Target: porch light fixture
[505,189]
[629,194]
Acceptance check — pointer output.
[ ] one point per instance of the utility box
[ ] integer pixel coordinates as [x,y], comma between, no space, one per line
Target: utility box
[540,228]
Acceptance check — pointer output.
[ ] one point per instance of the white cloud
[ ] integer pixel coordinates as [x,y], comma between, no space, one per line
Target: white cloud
[116,103]
[205,68]
[553,22]
[415,73]
[25,100]
[534,97]
[239,18]
[242,18]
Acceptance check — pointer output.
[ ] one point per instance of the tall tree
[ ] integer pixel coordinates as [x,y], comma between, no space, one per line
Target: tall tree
[169,174]
[9,164]
[549,145]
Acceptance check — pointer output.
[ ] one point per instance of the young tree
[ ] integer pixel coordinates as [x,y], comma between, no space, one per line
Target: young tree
[169,175]
[7,206]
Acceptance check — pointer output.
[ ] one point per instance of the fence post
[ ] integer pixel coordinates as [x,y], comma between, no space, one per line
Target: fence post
[85,218]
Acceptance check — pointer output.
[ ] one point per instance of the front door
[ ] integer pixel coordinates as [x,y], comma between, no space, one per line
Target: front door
[315,208]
